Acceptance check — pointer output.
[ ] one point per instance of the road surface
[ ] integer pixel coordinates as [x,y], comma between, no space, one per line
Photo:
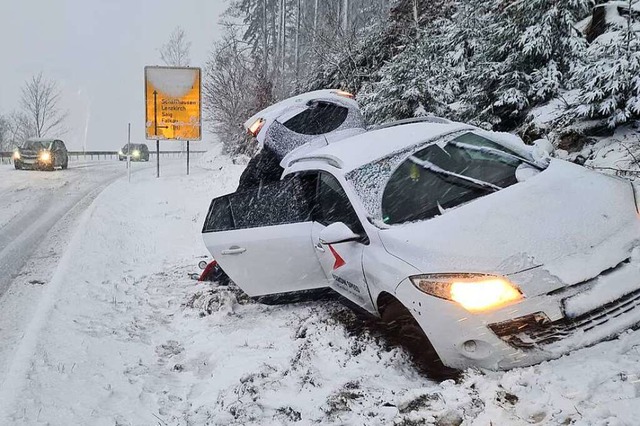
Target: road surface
[34,205]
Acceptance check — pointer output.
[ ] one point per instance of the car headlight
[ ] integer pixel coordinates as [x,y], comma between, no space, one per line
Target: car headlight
[120,152]
[474,292]
[45,156]
[16,155]
[136,153]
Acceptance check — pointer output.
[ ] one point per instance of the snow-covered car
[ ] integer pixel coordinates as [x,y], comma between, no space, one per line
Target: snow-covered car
[503,255]
[296,121]
[41,154]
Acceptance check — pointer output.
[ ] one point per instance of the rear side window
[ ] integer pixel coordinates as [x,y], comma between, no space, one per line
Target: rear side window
[320,118]
[278,203]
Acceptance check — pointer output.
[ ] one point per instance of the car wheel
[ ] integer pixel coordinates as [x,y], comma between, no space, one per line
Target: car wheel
[17,165]
[65,165]
[404,330]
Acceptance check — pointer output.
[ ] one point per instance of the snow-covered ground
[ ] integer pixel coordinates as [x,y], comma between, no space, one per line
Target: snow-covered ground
[118,334]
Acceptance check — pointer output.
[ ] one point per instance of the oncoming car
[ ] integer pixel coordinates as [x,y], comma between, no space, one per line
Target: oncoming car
[504,256]
[139,152]
[41,154]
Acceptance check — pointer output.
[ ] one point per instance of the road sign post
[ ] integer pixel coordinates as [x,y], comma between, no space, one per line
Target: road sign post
[129,153]
[173,109]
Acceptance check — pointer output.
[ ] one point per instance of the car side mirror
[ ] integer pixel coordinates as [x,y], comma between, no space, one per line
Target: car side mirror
[543,149]
[337,233]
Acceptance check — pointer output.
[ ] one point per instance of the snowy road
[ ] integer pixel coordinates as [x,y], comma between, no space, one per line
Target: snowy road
[32,203]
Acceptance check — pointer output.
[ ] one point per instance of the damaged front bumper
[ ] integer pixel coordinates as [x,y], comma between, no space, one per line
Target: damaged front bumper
[539,328]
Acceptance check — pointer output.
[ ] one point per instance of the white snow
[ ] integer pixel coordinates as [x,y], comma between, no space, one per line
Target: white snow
[119,335]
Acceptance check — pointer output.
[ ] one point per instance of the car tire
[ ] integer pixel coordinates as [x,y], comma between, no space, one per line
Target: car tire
[17,165]
[404,330]
[65,165]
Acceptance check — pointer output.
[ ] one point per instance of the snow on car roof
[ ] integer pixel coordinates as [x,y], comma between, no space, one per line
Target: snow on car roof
[366,147]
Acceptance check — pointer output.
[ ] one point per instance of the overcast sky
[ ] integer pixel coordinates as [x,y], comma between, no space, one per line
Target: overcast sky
[97,51]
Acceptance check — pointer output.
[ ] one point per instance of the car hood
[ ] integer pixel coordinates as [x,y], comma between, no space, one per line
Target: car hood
[564,226]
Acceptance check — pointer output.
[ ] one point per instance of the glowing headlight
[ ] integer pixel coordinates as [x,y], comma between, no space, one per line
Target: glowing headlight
[16,155]
[45,156]
[136,153]
[474,292]
[120,152]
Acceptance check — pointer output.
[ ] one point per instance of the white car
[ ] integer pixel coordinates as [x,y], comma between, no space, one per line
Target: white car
[296,121]
[504,256]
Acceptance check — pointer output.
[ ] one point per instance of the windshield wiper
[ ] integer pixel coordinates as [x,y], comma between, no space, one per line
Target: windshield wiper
[427,165]
[493,151]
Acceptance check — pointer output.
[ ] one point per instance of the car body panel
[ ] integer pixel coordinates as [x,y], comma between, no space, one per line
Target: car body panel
[342,265]
[282,258]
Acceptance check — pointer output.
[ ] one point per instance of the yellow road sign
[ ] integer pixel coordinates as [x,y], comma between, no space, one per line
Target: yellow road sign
[173,109]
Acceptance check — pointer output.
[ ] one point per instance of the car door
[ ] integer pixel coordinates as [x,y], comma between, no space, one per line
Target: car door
[261,238]
[342,262]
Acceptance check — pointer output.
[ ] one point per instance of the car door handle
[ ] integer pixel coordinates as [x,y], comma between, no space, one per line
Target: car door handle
[233,251]
[319,247]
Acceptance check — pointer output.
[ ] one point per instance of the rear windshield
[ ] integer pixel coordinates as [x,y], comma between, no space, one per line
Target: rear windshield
[320,118]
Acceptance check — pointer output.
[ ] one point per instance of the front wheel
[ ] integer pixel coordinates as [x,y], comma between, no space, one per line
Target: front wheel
[17,165]
[405,331]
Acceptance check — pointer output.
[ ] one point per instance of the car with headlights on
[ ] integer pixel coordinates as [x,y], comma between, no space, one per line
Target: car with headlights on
[139,152]
[494,253]
[41,154]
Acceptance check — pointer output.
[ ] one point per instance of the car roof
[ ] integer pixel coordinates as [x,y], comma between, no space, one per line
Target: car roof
[356,151]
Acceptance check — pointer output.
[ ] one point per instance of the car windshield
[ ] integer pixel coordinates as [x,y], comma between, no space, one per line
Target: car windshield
[423,184]
[36,145]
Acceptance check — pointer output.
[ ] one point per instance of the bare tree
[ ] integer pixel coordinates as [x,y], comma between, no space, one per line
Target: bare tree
[231,91]
[41,114]
[5,132]
[175,52]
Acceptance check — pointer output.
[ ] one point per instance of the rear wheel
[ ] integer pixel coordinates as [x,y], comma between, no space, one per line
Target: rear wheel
[405,331]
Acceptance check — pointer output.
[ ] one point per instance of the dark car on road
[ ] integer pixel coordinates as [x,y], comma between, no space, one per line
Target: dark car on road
[139,152]
[41,154]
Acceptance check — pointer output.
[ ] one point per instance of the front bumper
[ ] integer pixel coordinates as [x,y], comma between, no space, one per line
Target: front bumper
[34,164]
[531,331]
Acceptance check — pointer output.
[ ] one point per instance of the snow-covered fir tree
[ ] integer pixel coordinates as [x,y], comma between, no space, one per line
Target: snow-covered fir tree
[531,47]
[609,78]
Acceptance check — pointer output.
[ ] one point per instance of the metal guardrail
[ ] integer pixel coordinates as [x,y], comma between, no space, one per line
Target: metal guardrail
[7,157]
